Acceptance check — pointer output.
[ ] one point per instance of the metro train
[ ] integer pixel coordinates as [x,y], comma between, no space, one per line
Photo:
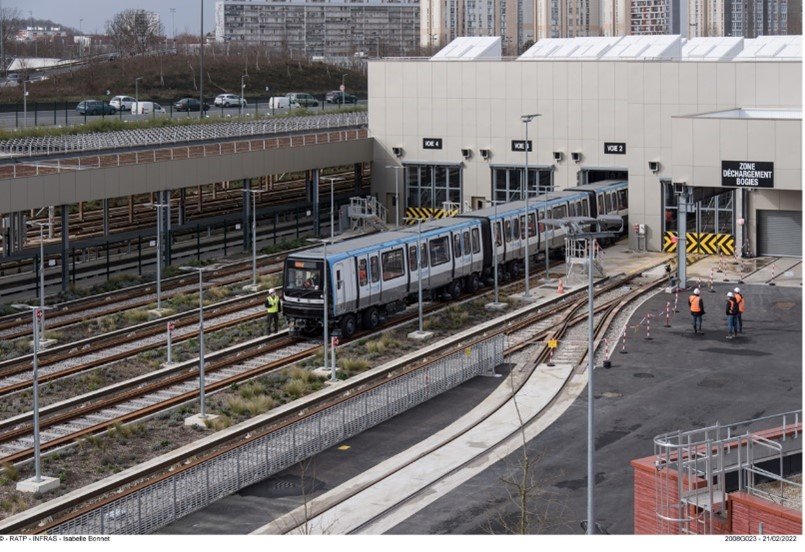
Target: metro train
[372,277]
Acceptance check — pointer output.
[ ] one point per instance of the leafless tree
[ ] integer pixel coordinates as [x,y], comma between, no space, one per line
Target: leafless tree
[134,31]
[10,23]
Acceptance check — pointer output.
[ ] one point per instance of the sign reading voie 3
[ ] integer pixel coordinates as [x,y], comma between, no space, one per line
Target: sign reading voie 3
[431,143]
[520,145]
[747,174]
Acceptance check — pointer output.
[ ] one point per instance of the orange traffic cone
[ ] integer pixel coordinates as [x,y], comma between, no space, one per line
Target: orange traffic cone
[561,289]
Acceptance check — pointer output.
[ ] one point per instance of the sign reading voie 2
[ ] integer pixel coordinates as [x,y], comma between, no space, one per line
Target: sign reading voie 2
[747,174]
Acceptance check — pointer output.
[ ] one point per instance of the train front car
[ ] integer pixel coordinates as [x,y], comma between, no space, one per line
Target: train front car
[303,292]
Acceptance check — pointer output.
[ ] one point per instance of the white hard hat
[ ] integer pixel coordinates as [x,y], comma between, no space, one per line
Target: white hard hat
[737,290]
[729,294]
[696,291]
[271,290]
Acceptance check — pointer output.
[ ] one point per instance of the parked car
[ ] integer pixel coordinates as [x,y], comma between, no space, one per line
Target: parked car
[279,102]
[301,99]
[95,107]
[146,108]
[189,104]
[336,97]
[122,103]
[228,100]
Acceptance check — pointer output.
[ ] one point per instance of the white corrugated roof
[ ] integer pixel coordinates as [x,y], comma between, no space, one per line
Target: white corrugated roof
[469,48]
[646,47]
[570,48]
[719,48]
[752,113]
[772,47]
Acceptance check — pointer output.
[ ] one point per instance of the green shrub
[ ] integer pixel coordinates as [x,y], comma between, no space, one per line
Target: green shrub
[295,388]
[8,473]
[354,365]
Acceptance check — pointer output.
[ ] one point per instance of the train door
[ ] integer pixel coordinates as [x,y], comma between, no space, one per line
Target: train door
[344,289]
[414,272]
[374,279]
[363,291]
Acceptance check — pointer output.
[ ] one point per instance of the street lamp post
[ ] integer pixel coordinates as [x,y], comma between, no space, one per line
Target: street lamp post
[25,101]
[249,192]
[137,93]
[496,305]
[343,89]
[37,483]
[202,416]
[201,67]
[41,226]
[332,206]
[396,168]
[159,207]
[605,226]
[242,88]
[527,119]
[420,334]
[324,288]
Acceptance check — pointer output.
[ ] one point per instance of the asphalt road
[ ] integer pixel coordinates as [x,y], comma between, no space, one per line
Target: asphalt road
[41,117]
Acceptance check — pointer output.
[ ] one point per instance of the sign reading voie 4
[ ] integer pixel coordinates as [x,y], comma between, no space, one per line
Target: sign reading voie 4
[431,143]
[747,174]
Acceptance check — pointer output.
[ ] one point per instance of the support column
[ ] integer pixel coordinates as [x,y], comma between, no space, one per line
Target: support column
[4,231]
[314,196]
[200,198]
[81,211]
[214,190]
[105,207]
[245,224]
[358,176]
[131,209]
[182,200]
[65,247]
[51,221]
[682,243]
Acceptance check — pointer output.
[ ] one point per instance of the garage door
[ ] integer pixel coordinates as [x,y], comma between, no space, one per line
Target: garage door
[779,233]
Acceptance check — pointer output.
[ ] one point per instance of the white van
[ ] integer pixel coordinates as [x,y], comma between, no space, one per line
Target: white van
[279,102]
[146,108]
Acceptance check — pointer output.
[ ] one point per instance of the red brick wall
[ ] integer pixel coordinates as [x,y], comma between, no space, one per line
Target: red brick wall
[748,511]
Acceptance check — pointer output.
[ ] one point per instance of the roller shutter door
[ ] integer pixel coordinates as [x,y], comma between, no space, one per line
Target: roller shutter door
[779,233]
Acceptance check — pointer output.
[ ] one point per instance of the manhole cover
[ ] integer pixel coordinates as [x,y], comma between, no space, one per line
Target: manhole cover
[784,305]
[643,375]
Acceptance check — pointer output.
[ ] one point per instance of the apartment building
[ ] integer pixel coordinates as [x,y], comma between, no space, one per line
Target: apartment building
[315,28]
[567,18]
[746,18]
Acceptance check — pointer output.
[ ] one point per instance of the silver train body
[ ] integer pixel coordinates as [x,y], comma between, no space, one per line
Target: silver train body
[371,277]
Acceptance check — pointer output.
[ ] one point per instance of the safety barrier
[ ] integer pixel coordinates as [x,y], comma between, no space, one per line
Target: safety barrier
[427,213]
[152,505]
[701,242]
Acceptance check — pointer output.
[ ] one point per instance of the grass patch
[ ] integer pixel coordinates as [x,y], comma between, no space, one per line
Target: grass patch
[351,366]
[295,388]
[8,473]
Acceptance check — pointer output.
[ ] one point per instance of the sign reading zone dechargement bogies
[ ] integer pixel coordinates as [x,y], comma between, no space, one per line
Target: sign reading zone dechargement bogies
[747,174]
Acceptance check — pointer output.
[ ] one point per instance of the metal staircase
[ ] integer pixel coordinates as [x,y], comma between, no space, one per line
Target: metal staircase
[366,212]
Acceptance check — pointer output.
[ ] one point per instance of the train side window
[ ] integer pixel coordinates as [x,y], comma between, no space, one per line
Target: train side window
[411,258]
[439,251]
[456,246]
[541,217]
[375,268]
[609,203]
[622,199]
[476,241]
[585,207]
[393,265]
[362,276]
[498,235]
[601,209]
[467,246]
[572,208]
[516,233]
[338,279]
[425,255]
[507,230]
[532,224]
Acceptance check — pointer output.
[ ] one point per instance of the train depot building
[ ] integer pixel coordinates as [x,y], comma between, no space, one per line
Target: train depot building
[718,117]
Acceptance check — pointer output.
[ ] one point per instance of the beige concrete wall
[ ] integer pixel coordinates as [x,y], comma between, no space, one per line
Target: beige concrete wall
[478,104]
[73,186]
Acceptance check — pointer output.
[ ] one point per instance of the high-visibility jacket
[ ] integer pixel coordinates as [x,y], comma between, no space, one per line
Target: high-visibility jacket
[732,307]
[273,304]
[741,304]
[696,304]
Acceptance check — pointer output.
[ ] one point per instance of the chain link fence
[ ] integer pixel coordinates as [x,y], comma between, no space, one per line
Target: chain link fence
[170,498]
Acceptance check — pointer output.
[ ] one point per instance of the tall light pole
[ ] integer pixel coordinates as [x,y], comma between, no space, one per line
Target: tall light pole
[242,88]
[252,193]
[496,305]
[201,364]
[332,207]
[527,119]
[343,89]
[201,66]
[137,92]
[324,288]
[38,314]
[173,27]
[396,191]
[159,207]
[420,334]
[605,226]
[41,226]
[25,101]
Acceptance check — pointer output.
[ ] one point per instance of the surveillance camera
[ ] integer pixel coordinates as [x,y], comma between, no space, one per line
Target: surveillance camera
[398,152]
[466,153]
[486,154]
[558,156]
[576,156]
[654,166]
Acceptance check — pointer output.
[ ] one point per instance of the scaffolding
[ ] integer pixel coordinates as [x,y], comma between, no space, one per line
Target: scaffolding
[696,469]
[577,256]
[366,212]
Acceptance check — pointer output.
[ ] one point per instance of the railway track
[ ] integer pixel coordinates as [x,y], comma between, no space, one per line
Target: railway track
[570,329]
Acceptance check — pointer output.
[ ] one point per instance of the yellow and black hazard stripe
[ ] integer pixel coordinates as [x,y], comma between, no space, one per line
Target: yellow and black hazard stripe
[420,213]
[669,242]
[725,243]
[701,242]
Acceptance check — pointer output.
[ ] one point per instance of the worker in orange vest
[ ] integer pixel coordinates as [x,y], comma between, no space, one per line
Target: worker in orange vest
[732,313]
[741,308]
[696,311]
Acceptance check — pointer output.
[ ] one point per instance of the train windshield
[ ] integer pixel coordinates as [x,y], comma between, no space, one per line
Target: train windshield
[303,279]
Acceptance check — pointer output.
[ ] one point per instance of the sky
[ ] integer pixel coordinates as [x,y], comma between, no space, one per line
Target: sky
[96,13]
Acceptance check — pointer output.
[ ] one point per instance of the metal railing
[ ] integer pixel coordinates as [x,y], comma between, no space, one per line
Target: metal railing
[152,505]
[122,139]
